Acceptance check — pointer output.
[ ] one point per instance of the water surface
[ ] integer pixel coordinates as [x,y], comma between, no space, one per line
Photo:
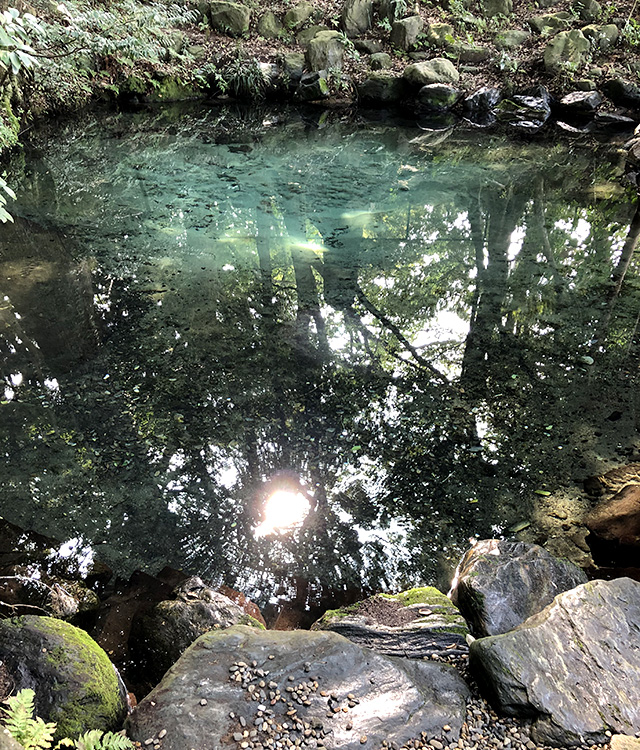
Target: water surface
[424,335]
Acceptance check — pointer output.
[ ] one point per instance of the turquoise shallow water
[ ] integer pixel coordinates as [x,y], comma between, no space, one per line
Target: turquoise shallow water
[423,335]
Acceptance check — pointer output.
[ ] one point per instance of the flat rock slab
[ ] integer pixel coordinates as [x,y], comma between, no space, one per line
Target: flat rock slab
[415,624]
[575,665]
[499,584]
[296,685]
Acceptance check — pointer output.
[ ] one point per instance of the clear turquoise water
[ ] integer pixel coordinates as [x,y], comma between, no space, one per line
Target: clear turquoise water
[423,333]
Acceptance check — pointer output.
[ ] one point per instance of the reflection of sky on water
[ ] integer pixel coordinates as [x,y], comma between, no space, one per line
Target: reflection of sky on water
[193,319]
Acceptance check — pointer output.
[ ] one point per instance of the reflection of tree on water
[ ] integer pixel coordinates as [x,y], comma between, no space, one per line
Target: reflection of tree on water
[302,343]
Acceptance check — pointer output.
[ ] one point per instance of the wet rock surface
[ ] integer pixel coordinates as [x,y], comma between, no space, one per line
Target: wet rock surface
[573,666]
[499,584]
[251,689]
[416,624]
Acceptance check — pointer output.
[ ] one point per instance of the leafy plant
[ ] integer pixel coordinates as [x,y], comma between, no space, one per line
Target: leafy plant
[16,34]
[244,77]
[32,734]
[4,188]
[631,33]
[36,734]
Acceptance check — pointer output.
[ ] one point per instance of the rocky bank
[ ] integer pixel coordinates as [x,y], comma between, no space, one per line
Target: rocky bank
[489,61]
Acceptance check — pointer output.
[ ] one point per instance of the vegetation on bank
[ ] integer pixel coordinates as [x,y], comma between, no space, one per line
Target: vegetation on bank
[35,734]
[57,56]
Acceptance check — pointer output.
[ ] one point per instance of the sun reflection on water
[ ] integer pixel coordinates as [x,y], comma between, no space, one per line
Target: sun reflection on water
[283,511]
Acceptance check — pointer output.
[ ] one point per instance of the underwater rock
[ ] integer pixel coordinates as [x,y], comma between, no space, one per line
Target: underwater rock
[415,623]
[160,635]
[499,584]
[75,684]
[574,665]
[324,688]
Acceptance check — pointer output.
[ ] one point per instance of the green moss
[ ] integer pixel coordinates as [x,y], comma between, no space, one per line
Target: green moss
[101,707]
[9,124]
[336,614]
[427,595]
[251,622]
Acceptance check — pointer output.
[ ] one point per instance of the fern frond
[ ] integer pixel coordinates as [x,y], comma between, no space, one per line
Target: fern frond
[41,735]
[96,740]
[32,734]
[18,715]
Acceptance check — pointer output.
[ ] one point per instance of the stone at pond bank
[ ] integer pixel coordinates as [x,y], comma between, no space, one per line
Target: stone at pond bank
[324,687]
[326,51]
[161,635]
[438,97]
[380,89]
[438,70]
[75,684]
[230,18]
[524,109]
[357,17]
[499,584]
[574,665]
[415,623]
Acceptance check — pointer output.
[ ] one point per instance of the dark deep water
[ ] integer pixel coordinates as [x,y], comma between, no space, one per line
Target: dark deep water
[426,337]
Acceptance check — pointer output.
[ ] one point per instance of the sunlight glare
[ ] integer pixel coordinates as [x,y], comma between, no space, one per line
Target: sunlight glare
[282,511]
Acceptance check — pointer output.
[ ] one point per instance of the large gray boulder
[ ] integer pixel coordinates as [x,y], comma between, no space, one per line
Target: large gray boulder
[296,17]
[163,633]
[227,17]
[357,17]
[74,682]
[416,623]
[263,687]
[437,70]
[404,33]
[326,51]
[566,49]
[499,584]
[574,666]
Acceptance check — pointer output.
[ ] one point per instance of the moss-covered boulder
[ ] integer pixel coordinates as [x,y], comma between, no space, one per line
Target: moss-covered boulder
[602,37]
[357,17]
[270,26]
[296,17]
[380,89]
[510,38]
[74,682]
[415,623]
[438,97]
[551,23]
